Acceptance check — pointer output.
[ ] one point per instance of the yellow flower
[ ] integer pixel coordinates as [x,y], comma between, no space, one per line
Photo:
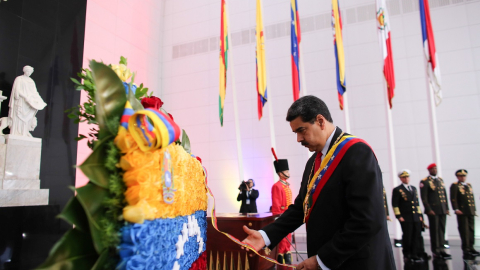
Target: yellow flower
[122,71]
[143,178]
[133,214]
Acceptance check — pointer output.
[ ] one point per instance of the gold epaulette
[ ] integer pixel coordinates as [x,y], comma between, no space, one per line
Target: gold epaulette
[456,183]
[425,178]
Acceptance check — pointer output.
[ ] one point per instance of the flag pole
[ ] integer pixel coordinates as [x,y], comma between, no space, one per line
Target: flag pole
[433,125]
[269,101]
[234,96]
[391,152]
[303,85]
[345,112]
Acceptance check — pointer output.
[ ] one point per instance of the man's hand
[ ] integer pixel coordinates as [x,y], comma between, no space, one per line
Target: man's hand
[431,213]
[254,239]
[401,219]
[458,212]
[309,264]
[421,219]
[388,218]
[448,212]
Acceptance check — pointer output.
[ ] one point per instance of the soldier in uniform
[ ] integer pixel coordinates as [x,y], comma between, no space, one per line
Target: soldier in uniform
[281,199]
[434,200]
[407,211]
[463,203]
[385,204]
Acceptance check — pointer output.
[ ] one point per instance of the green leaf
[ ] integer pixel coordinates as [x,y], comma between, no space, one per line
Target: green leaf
[74,251]
[136,104]
[94,168]
[123,60]
[80,137]
[185,142]
[74,214]
[92,197]
[80,87]
[102,261]
[75,81]
[110,97]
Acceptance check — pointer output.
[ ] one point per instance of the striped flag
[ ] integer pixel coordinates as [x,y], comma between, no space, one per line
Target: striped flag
[383,22]
[260,62]
[339,54]
[223,60]
[430,51]
[295,36]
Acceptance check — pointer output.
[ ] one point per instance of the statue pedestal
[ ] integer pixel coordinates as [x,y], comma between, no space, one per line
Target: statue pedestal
[20,170]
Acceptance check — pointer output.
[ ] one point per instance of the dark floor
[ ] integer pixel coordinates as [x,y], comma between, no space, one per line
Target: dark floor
[456,263]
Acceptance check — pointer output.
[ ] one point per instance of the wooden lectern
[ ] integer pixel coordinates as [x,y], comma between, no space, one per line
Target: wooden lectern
[223,253]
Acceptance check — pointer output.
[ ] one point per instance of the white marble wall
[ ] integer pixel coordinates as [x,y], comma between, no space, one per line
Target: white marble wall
[190,87]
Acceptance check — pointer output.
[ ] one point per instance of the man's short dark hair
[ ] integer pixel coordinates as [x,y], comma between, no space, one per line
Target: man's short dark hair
[308,107]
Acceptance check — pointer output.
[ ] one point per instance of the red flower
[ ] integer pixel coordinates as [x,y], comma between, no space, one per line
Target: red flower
[200,263]
[199,159]
[152,102]
[171,116]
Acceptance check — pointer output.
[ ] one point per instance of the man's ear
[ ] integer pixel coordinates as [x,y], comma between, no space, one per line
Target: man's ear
[320,120]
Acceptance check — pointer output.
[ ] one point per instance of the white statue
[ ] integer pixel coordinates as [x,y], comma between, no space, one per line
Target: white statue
[24,104]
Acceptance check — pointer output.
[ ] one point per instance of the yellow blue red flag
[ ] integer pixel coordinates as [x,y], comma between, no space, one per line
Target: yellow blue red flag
[339,53]
[260,62]
[295,37]
[223,59]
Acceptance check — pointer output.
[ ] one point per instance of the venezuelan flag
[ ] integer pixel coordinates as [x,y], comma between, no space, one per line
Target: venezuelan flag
[260,61]
[295,37]
[223,60]
[339,54]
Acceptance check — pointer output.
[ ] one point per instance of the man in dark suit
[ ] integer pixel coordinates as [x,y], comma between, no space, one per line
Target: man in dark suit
[340,198]
[463,203]
[407,210]
[434,200]
[248,195]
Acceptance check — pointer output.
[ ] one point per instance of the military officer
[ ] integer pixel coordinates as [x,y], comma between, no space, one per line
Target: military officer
[434,200]
[407,211]
[385,204]
[463,203]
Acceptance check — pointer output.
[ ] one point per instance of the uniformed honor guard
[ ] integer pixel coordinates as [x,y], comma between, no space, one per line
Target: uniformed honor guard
[463,203]
[434,200]
[407,211]
[281,199]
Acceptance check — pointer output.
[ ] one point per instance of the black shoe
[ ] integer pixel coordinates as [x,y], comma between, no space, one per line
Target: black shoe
[280,258]
[417,259]
[473,252]
[445,255]
[288,258]
[467,256]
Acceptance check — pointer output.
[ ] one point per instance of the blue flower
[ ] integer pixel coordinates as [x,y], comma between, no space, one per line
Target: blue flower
[127,86]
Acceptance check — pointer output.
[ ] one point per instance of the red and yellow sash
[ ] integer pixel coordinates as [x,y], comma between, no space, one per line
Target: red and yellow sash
[327,167]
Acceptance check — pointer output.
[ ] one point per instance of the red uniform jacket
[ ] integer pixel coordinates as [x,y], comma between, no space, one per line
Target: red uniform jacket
[281,197]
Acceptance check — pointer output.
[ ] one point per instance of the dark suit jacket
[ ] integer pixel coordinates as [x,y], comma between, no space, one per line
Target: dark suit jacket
[405,204]
[462,198]
[248,208]
[347,228]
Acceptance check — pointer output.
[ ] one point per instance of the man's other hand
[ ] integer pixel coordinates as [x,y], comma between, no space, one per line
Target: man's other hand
[254,238]
[309,264]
